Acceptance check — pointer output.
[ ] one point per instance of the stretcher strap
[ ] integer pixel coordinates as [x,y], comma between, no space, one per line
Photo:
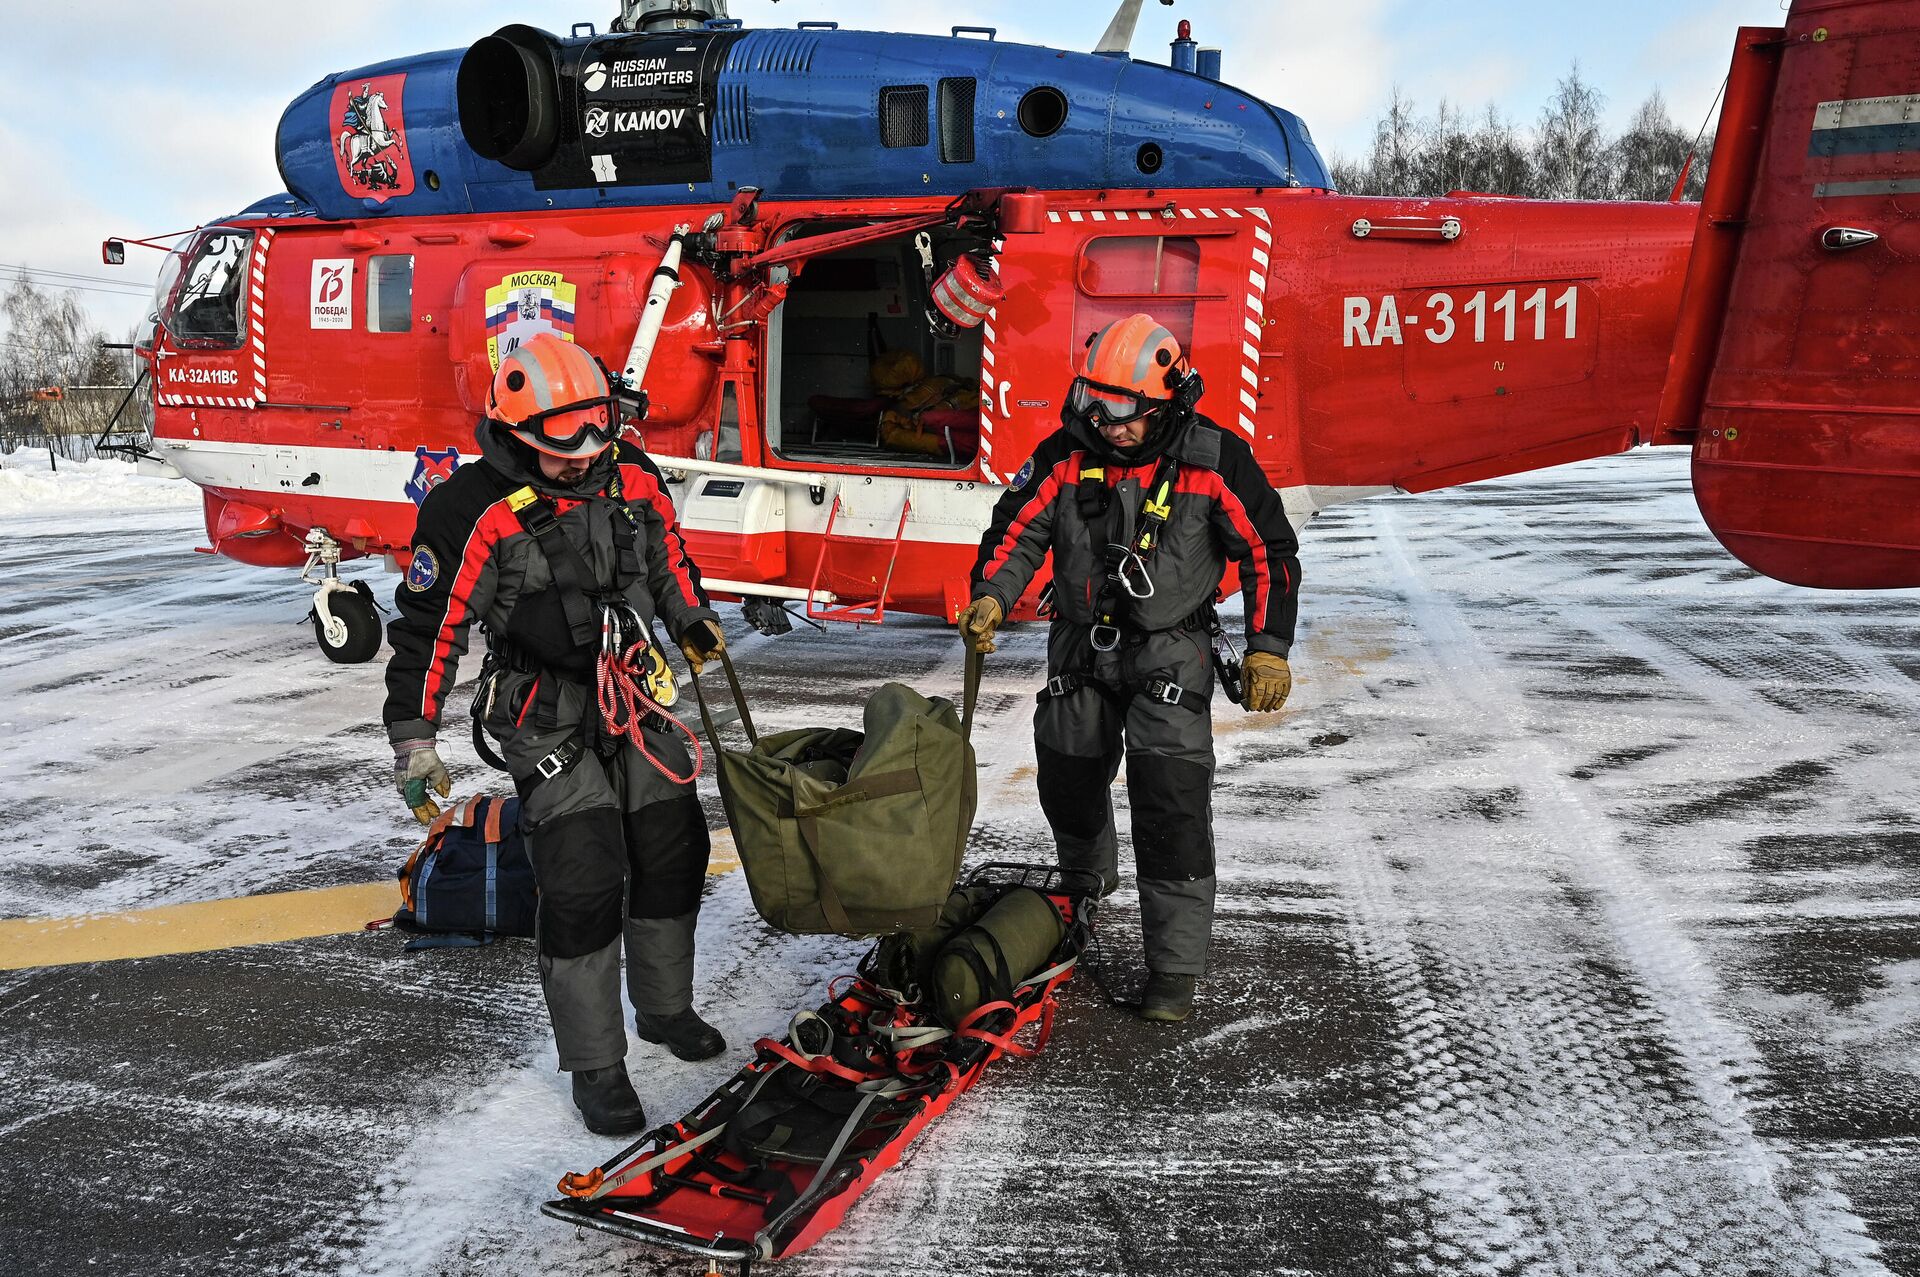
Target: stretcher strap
[1003,1041]
[817,1063]
[597,1183]
[805,1199]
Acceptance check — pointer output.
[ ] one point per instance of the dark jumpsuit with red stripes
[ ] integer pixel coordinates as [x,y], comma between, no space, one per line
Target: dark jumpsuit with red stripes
[619,849]
[1223,508]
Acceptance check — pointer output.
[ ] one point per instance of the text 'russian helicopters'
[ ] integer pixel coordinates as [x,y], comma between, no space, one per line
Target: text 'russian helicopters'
[851,270]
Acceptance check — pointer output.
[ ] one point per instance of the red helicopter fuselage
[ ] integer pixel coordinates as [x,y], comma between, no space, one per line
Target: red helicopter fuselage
[832,442]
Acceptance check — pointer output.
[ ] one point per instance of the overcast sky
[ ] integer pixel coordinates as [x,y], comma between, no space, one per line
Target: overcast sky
[125,118]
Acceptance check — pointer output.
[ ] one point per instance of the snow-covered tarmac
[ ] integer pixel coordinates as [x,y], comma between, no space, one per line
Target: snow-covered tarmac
[1568,926]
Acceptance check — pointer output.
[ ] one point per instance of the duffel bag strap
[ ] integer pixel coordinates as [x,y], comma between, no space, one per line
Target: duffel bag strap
[878,785]
[430,845]
[739,699]
[976,665]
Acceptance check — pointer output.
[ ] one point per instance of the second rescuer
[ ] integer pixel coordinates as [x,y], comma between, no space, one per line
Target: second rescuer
[1141,501]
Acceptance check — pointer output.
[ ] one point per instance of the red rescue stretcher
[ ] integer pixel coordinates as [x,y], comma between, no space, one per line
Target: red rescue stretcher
[771,1162]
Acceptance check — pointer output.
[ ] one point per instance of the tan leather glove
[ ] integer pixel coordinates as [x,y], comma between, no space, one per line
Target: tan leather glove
[1269,679]
[416,770]
[702,640]
[978,623]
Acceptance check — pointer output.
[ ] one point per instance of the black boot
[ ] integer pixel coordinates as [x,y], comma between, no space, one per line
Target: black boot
[1168,996]
[606,1100]
[684,1032]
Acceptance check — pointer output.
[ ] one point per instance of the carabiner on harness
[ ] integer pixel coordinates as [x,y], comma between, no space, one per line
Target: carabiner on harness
[1127,567]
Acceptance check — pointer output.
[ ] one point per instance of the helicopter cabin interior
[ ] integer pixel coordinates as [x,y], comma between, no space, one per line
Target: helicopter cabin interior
[862,370]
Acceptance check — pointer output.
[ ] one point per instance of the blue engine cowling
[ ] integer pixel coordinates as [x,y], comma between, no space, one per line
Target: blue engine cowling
[524,120]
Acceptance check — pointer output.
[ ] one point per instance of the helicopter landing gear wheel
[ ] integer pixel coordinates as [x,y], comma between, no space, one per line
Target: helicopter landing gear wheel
[346,622]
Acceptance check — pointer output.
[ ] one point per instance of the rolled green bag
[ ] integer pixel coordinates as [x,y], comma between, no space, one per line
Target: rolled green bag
[1011,941]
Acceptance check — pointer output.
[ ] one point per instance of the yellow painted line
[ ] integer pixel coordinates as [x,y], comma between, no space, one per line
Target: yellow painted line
[194,928]
[223,924]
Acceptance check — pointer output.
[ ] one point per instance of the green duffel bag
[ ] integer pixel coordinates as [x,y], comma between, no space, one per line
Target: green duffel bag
[855,833]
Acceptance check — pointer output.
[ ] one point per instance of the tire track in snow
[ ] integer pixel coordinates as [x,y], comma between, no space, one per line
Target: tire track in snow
[1535,1045]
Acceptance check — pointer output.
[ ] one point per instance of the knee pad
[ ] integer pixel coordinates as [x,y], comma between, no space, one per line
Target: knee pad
[580,863]
[668,846]
[1073,792]
[1172,817]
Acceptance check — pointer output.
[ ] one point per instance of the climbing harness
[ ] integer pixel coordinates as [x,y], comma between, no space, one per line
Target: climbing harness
[1128,579]
[633,685]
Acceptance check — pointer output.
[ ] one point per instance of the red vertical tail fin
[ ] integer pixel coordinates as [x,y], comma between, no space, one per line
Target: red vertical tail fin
[1796,371]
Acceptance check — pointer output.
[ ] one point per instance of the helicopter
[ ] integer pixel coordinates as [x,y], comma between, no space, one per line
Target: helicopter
[843,276]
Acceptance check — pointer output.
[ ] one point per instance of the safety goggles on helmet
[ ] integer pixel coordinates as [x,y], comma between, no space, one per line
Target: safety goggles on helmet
[1099,404]
[580,429]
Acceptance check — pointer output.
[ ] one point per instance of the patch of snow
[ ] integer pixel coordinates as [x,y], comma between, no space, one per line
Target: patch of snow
[30,485]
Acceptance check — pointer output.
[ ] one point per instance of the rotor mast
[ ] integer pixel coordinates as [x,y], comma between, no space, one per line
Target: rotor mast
[667,15]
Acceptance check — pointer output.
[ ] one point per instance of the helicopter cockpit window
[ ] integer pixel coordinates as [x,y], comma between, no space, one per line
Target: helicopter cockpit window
[207,309]
[390,293]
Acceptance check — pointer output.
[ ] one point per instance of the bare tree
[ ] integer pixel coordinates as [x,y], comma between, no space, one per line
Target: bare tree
[1396,145]
[1570,146]
[51,343]
[1444,158]
[1647,157]
[1568,156]
[1498,160]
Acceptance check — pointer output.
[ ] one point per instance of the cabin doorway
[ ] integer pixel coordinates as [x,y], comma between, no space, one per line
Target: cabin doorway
[857,371]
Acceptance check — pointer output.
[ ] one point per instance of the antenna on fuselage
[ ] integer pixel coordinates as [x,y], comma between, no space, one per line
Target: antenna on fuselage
[1119,36]
[670,15]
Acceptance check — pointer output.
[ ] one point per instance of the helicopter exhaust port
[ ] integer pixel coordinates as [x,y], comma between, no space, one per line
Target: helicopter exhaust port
[509,97]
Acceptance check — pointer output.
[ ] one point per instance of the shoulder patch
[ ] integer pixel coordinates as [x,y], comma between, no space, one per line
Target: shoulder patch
[1025,475]
[423,571]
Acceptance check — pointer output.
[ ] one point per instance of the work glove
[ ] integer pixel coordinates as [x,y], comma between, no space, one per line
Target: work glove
[979,621]
[702,640]
[1268,681]
[416,770]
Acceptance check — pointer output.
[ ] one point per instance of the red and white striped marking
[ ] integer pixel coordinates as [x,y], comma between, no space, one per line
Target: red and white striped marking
[1256,317]
[257,314]
[991,391]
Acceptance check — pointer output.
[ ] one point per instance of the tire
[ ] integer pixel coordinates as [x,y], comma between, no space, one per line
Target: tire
[355,612]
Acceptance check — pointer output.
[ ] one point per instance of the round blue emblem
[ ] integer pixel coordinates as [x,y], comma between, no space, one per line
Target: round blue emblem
[1026,473]
[423,571]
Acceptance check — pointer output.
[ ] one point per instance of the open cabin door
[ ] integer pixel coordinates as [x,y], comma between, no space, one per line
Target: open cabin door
[860,371]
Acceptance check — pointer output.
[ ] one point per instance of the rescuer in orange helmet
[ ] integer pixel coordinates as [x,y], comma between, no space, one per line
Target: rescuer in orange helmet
[1141,501]
[561,542]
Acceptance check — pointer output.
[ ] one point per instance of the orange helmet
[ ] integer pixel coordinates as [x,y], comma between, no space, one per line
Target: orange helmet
[555,398]
[1132,367]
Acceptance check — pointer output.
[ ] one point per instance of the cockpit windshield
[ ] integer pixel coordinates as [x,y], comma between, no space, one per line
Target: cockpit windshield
[201,293]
